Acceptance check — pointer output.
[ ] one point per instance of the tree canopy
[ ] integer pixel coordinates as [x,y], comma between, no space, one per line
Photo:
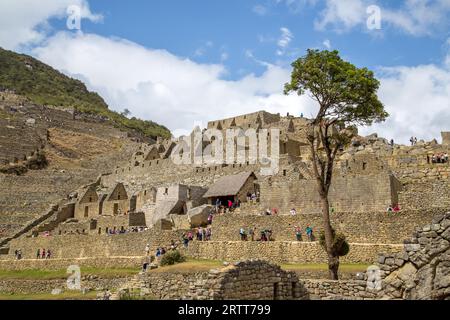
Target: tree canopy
[345,93]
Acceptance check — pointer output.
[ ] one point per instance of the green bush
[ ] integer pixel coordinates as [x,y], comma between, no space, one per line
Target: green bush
[172,257]
[339,245]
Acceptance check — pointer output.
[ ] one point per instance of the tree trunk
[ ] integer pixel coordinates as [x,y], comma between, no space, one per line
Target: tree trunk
[333,258]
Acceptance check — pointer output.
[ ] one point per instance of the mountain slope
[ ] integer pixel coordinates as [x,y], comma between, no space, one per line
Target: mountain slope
[43,85]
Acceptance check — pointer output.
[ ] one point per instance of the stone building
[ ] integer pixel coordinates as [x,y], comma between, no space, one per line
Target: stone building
[88,205]
[235,187]
[117,201]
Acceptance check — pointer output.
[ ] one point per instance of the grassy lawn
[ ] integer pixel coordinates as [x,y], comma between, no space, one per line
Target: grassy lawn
[68,295]
[324,267]
[37,274]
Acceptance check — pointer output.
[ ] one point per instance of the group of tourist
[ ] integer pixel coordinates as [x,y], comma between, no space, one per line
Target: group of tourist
[123,231]
[272,212]
[309,233]
[395,208]
[438,158]
[228,206]
[18,254]
[252,197]
[43,254]
[413,141]
[245,235]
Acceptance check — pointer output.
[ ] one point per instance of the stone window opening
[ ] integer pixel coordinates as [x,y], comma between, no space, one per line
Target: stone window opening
[364,165]
[86,211]
[284,173]
[99,230]
[166,191]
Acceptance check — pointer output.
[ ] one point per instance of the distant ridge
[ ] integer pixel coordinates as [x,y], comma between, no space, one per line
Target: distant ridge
[43,85]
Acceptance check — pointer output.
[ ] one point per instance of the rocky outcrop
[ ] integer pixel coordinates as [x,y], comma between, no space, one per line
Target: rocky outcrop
[422,270]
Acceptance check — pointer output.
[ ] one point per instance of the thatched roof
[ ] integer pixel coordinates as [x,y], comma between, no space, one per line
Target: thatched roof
[228,185]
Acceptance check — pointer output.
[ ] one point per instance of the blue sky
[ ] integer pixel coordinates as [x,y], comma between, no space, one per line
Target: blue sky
[201,60]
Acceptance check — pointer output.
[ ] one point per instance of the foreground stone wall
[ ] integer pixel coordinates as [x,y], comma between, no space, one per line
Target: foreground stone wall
[283,251]
[368,227]
[422,270]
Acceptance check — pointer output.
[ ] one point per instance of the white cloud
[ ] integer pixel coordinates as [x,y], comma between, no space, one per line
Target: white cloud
[327,44]
[156,85]
[418,100]
[24,22]
[415,17]
[284,40]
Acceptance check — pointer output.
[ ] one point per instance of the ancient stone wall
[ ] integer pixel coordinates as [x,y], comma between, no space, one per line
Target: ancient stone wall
[367,227]
[356,193]
[421,271]
[81,246]
[424,195]
[282,251]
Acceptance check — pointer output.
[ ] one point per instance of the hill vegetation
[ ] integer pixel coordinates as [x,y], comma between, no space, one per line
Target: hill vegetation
[43,85]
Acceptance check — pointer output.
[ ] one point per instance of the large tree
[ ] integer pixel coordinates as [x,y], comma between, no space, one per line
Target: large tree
[346,97]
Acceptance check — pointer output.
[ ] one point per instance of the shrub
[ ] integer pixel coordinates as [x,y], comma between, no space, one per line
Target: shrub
[171,258]
[340,244]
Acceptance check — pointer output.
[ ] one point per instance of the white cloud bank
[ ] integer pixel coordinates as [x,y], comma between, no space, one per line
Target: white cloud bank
[157,85]
[414,17]
[24,22]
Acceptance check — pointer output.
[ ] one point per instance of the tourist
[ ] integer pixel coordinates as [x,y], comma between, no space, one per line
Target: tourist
[158,253]
[298,233]
[199,234]
[218,204]
[309,233]
[274,211]
[293,212]
[230,205]
[147,249]
[446,157]
[19,254]
[210,219]
[392,142]
[185,240]
[251,233]
[38,254]
[190,236]
[268,213]
[396,208]
[173,246]
[242,234]
[43,254]
[249,196]
[411,140]
[49,254]
[208,234]
[390,209]
[263,236]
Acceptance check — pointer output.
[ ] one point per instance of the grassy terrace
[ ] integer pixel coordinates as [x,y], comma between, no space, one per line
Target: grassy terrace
[68,295]
[61,274]
[189,266]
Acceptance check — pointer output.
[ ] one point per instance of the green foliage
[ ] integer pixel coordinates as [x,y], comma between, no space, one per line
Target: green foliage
[339,245]
[345,93]
[44,85]
[172,257]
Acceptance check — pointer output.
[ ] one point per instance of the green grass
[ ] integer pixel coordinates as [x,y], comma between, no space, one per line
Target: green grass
[61,274]
[67,295]
[324,267]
